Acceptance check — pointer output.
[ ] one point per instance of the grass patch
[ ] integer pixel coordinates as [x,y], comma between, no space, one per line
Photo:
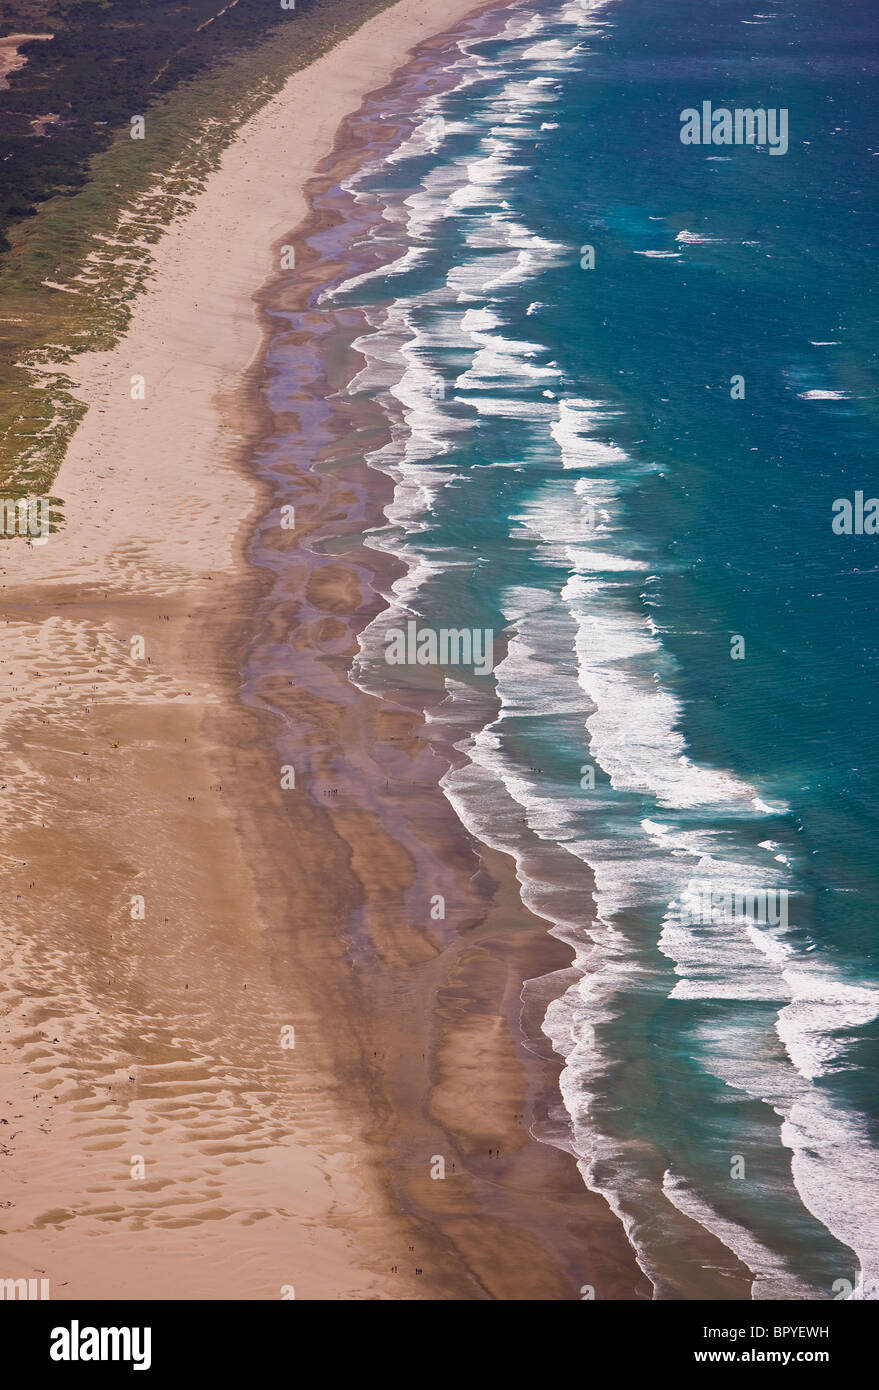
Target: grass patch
[97,242]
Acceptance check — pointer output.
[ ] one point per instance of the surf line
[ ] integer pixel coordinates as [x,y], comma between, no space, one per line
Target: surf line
[447,646]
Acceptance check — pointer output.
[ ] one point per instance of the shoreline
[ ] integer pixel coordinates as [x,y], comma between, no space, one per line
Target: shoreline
[534,1197]
[232,1136]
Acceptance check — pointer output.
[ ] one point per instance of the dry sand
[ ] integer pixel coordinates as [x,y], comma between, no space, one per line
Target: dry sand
[10,58]
[170,912]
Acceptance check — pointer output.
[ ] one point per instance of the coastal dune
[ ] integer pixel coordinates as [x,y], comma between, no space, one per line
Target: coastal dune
[205,1093]
[10,58]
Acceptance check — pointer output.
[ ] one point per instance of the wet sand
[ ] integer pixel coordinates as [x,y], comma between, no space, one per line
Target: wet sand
[173,910]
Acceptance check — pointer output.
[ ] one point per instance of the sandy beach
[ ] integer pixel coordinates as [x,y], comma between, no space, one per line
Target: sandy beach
[10,58]
[229,1052]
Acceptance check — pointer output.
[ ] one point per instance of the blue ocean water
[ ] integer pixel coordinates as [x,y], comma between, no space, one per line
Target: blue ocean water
[681,708]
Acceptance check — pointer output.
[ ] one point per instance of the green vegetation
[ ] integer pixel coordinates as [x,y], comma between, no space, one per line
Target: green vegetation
[105,62]
[100,209]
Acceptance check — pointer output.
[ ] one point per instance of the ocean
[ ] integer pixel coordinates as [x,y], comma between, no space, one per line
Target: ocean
[622,381]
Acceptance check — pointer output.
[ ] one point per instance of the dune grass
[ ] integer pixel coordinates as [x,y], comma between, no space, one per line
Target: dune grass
[97,244]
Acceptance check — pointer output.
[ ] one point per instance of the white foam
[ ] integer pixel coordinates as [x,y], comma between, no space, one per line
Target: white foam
[820,1008]
[586,651]
[773,1277]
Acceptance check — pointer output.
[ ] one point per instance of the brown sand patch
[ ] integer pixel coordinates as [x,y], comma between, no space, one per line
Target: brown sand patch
[334,589]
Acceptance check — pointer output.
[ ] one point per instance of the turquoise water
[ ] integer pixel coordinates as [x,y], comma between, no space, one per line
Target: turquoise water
[685,666]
